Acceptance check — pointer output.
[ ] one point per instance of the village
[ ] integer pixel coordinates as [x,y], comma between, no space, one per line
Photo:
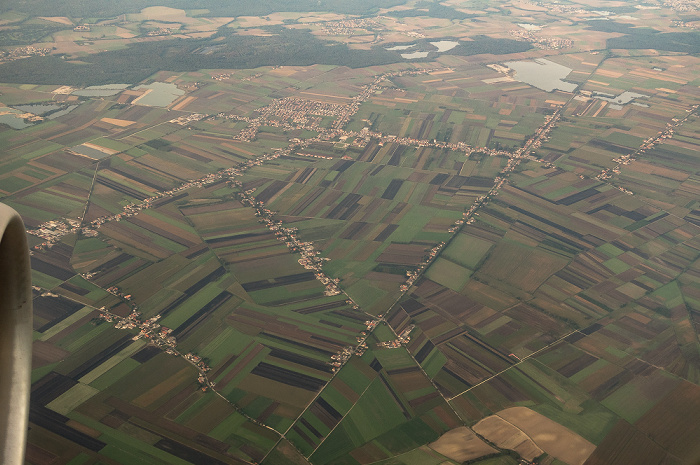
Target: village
[298,111]
[543,42]
[648,144]
[349,26]
[23,52]
[159,336]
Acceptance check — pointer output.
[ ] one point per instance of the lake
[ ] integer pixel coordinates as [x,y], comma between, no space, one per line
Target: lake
[401,47]
[441,45]
[14,121]
[543,74]
[158,94]
[38,108]
[623,98]
[411,56]
[101,91]
[65,111]
[445,45]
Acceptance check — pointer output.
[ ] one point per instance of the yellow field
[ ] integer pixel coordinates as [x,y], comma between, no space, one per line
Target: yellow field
[553,438]
[461,445]
[118,122]
[507,436]
[57,19]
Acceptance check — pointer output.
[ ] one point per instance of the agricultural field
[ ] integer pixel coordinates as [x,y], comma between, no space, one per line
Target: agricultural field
[383,245]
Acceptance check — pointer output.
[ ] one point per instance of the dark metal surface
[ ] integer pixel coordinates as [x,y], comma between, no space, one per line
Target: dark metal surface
[15,336]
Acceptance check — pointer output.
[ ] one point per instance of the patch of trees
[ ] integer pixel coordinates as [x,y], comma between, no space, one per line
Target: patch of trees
[26,34]
[433,10]
[685,42]
[647,38]
[484,44]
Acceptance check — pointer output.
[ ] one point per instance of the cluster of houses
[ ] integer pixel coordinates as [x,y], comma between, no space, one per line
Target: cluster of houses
[52,231]
[339,358]
[682,5]
[413,275]
[546,43]
[161,31]
[221,76]
[187,119]
[23,52]
[149,329]
[158,335]
[403,339]
[292,113]
[348,27]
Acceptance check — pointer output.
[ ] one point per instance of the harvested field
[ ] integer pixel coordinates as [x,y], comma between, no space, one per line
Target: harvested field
[507,436]
[461,445]
[552,437]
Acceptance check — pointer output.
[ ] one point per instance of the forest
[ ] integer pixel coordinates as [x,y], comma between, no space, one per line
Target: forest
[284,47]
[110,9]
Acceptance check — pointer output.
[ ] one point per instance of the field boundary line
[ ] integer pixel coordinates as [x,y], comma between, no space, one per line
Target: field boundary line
[524,359]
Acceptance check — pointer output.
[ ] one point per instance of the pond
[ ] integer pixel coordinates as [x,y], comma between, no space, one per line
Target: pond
[13,119]
[623,98]
[65,111]
[411,56]
[101,91]
[400,47]
[158,94]
[445,45]
[441,45]
[38,108]
[543,74]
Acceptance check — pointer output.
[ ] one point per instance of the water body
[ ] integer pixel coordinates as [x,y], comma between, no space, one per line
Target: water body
[38,108]
[445,45]
[411,56]
[14,121]
[65,111]
[623,98]
[101,91]
[160,94]
[543,74]
[401,47]
[529,27]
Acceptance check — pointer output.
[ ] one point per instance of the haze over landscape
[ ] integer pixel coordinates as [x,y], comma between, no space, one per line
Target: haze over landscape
[389,232]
